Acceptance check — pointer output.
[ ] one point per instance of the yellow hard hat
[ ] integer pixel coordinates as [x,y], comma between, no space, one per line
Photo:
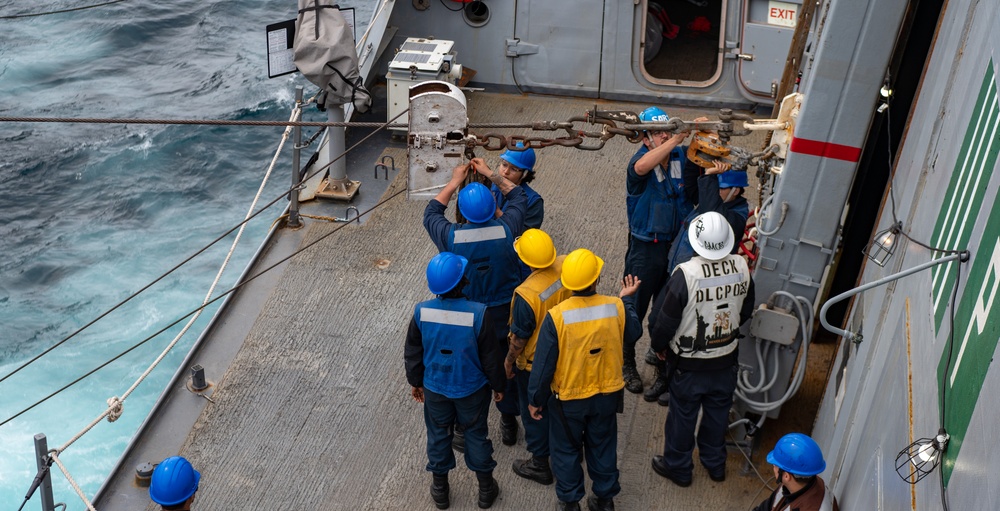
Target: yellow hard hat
[535,248]
[581,269]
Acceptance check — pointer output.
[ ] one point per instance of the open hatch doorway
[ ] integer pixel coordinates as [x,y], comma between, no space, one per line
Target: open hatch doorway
[683,41]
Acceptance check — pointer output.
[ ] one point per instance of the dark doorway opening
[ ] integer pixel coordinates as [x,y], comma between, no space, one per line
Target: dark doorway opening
[683,40]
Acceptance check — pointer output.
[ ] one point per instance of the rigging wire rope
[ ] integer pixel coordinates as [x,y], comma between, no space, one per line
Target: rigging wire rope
[304,179]
[229,122]
[224,294]
[114,410]
[196,254]
[46,13]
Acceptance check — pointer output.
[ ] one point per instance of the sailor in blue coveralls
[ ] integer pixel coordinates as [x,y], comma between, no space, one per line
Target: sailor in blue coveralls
[656,204]
[494,270]
[452,361]
[706,300]
[519,168]
[576,380]
[721,190]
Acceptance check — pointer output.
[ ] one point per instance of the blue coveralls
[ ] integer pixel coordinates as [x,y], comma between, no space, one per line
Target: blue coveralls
[589,423]
[533,216]
[494,267]
[534,211]
[536,432]
[451,352]
[656,204]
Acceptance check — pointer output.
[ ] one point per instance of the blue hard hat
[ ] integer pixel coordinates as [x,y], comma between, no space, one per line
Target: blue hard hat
[733,179]
[445,271]
[797,454]
[174,481]
[653,114]
[523,159]
[476,203]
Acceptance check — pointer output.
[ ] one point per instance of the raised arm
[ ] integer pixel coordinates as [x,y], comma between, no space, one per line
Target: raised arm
[457,176]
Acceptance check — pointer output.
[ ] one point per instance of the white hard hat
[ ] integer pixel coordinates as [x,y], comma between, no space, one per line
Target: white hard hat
[711,236]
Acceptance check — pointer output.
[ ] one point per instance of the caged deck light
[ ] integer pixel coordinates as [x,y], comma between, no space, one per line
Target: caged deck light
[919,459]
[883,244]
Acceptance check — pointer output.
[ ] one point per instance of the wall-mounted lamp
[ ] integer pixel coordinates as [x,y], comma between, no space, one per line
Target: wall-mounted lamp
[883,244]
[886,93]
[919,459]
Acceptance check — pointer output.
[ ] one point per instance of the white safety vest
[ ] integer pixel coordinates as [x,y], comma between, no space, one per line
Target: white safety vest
[711,318]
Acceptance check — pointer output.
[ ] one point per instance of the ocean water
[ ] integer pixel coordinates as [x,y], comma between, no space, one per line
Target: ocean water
[89,214]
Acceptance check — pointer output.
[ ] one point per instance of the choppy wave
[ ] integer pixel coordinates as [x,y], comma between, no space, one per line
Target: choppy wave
[91,213]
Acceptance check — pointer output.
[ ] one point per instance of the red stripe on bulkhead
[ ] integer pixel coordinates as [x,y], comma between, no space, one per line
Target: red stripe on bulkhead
[825,149]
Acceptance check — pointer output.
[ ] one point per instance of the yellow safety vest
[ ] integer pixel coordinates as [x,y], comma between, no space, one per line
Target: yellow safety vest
[590,330]
[541,290]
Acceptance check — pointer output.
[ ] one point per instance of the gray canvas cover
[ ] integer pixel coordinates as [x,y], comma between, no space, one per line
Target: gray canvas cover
[326,56]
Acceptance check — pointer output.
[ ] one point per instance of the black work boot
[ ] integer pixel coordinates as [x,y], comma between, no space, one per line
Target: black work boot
[458,441]
[535,468]
[595,503]
[569,506]
[633,383]
[664,399]
[651,357]
[658,387]
[440,491]
[488,489]
[508,428]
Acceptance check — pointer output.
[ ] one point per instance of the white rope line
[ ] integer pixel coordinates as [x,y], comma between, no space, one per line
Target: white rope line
[114,410]
[364,37]
[55,458]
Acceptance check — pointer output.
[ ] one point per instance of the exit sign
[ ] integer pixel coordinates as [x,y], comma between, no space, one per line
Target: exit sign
[782,13]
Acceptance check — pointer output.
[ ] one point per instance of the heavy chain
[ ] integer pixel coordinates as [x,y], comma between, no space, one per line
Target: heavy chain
[599,126]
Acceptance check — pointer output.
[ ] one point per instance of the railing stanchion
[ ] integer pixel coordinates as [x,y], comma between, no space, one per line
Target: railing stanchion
[41,459]
[293,196]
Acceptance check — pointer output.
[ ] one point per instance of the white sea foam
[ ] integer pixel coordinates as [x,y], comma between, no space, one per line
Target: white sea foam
[147,197]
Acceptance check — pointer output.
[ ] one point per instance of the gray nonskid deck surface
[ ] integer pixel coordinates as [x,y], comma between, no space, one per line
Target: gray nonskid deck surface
[315,412]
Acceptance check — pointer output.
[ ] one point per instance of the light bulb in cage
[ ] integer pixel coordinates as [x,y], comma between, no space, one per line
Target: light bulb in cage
[921,457]
[883,244]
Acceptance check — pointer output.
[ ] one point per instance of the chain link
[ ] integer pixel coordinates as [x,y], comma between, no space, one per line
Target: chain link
[607,121]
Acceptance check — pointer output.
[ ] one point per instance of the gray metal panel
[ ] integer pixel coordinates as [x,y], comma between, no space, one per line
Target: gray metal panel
[608,50]
[871,480]
[941,115]
[769,46]
[481,49]
[840,100]
[757,11]
[569,45]
[768,43]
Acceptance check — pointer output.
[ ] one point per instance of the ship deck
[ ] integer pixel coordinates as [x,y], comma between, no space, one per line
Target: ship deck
[314,411]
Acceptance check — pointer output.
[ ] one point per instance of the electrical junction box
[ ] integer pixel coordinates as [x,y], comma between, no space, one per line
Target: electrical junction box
[418,60]
[775,325]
